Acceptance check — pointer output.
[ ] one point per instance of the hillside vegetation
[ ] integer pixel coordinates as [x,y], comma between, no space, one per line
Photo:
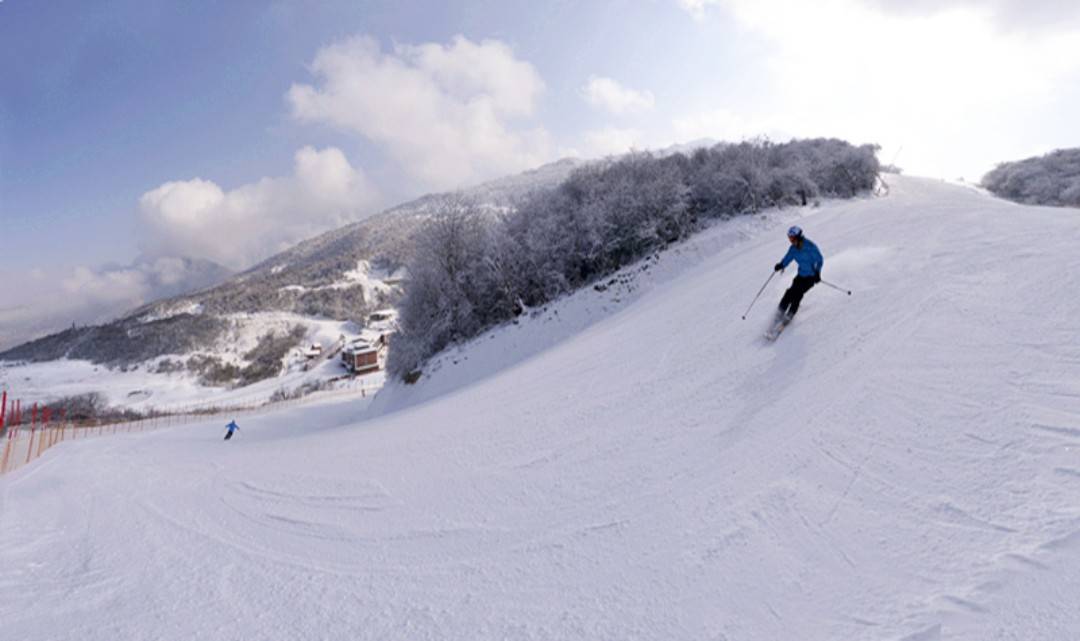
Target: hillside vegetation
[311,279]
[472,270]
[1052,179]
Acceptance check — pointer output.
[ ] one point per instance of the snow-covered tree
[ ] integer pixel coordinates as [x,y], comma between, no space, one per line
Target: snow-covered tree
[453,290]
[1053,179]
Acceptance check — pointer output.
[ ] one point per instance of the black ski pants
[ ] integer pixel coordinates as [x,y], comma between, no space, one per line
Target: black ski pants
[789,304]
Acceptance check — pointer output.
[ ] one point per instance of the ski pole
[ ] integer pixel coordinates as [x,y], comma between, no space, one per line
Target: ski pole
[825,282]
[758,294]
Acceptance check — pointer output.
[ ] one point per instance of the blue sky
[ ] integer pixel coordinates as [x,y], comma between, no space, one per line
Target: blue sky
[123,96]
[133,131]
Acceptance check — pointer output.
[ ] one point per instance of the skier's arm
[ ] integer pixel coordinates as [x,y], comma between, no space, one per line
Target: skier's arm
[786,260]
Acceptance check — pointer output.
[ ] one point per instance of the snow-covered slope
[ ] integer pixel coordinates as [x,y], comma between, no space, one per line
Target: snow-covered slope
[903,463]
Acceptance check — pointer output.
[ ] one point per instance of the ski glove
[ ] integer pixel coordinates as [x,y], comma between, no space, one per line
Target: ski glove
[817,277]
[778,266]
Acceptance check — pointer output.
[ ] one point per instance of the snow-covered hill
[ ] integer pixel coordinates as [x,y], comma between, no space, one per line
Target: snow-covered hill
[342,275]
[903,463]
[165,384]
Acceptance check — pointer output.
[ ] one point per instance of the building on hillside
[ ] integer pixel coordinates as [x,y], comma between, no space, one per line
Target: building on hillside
[366,353]
[384,320]
[360,357]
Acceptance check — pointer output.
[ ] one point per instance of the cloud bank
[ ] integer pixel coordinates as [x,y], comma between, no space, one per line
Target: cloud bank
[930,81]
[40,302]
[1007,15]
[611,141]
[447,114]
[609,95]
[239,227]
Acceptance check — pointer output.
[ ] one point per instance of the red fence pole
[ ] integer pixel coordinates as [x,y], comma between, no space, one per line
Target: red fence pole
[33,428]
[7,454]
[46,415]
[44,434]
[9,442]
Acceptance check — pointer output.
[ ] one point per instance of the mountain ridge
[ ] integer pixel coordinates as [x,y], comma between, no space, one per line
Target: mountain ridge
[311,279]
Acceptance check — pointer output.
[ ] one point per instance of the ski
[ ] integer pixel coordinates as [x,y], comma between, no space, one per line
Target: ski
[778,326]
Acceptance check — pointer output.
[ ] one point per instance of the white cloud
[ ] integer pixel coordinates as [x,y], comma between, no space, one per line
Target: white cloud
[727,126]
[948,86]
[446,113]
[41,302]
[1007,15]
[197,218]
[107,286]
[611,141]
[696,8]
[605,93]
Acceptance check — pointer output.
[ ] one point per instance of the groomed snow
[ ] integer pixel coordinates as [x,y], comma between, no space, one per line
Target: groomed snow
[903,463]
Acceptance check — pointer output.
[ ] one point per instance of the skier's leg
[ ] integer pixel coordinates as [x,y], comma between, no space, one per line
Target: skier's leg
[799,287]
[789,295]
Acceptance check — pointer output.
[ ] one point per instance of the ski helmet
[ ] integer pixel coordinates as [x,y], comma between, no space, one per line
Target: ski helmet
[794,231]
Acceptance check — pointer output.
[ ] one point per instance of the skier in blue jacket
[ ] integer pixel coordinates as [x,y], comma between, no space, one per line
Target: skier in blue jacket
[232,427]
[810,261]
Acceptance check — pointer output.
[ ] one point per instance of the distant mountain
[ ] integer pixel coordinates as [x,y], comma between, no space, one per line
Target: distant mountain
[172,276]
[687,147]
[342,274]
[320,276]
[122,287]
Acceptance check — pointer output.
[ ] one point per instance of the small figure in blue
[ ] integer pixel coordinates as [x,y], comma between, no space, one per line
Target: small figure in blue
[231,427]
[810,261]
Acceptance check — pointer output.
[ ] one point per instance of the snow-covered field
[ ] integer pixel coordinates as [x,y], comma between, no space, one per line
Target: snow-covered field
[143,388]
[902,464]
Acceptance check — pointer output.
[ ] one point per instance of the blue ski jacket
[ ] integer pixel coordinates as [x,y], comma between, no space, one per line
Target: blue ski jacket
[232,426]
[807,255]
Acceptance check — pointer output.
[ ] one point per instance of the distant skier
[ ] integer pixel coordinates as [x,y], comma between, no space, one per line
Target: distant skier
[231,427]
[807,254]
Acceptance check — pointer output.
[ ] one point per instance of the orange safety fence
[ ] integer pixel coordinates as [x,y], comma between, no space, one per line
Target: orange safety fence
[25,437]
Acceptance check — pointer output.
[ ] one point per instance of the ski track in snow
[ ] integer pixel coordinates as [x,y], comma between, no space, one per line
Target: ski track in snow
[901,464]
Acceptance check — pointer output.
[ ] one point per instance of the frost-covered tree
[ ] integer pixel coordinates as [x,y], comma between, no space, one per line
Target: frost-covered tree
[453,289]
[1053,179]
[474,269]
